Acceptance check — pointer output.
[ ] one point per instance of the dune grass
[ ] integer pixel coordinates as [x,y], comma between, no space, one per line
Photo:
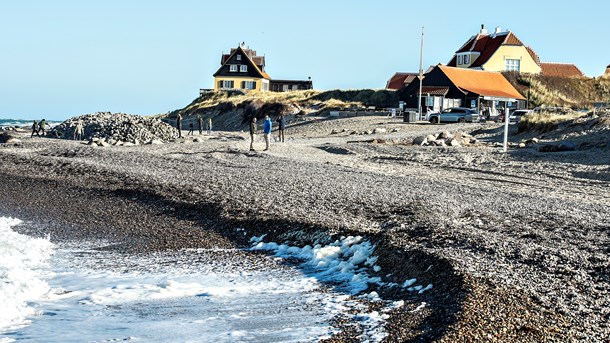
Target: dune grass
[546,120]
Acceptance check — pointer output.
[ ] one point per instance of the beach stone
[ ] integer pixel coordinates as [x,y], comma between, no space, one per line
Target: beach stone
[199,140]
[445,135]
[521,145]
[453,142]
[380,130]
[421,140]
[129,144]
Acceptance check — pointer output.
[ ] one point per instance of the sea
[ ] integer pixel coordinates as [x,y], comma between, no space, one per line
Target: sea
[24,122]
[76,292]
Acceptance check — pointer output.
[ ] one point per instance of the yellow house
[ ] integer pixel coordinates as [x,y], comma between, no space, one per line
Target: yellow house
[499,51]
[242,69]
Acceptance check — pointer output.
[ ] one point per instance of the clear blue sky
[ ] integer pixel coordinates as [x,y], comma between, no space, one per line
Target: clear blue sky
[63,58]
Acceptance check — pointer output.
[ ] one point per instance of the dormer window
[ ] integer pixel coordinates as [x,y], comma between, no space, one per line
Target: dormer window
[233,68]
[459,59]
[243,68]
[238,57]
[466,59]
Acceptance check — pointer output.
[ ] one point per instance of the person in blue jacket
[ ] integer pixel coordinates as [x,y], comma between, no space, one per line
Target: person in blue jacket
[267,126]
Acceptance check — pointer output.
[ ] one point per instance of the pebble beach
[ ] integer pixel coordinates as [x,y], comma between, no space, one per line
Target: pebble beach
[515,245]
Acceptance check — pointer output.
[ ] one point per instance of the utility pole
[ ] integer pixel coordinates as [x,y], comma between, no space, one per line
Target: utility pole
[421,72]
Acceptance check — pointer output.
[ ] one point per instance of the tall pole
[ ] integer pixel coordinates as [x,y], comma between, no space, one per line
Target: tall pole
[506,120]
[421,71]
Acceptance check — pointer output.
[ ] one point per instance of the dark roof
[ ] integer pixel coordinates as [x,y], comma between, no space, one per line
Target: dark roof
[400,80]
[250,54]
[560,69]
[434,90]
[487,45]
[259,61]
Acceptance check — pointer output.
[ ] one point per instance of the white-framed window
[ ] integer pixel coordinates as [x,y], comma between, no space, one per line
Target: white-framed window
[233,68]
[250,85]
[466,59]
[243,68]
[285,88]
[226,84]
[238,57]
[513,65]
[460,59]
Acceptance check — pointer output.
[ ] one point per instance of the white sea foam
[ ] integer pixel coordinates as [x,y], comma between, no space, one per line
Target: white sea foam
[23,260]
[346,264]
[347,260]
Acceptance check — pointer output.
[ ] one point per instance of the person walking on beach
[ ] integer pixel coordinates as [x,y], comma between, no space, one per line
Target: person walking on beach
[252,133]
[78,131]
[200,123]
[267,126]
[281,127]
[41,127]
[209,126]
[190,129]
[179,124]
[35,129]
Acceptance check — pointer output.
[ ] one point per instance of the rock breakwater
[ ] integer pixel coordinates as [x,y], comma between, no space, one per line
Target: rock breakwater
[118,127]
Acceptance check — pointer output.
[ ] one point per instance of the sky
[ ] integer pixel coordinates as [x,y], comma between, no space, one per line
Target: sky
[64,58]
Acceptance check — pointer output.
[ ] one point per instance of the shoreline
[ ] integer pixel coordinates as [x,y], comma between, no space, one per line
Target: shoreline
[416,204]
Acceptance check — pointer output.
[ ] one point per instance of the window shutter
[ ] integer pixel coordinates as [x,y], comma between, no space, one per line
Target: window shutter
[243,84]
[232,83]
[253,84]
[219,84]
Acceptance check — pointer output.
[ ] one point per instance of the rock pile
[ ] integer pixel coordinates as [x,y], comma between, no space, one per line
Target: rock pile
[116,129]
[446,138]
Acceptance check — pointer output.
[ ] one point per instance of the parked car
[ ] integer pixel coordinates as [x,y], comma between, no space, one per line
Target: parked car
[455,115]
[515,116]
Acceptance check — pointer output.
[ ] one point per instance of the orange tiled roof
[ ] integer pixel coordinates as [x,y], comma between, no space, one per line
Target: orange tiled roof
[399,80]
[485,83]
[534,55]
[487,45]
[560,69]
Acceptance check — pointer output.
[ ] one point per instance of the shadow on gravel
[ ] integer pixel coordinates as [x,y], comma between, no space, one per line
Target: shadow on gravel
[335,150]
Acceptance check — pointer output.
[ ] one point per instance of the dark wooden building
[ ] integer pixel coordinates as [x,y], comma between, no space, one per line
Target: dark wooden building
[445,87]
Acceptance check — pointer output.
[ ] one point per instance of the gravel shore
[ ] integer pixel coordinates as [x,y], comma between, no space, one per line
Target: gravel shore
[515,245]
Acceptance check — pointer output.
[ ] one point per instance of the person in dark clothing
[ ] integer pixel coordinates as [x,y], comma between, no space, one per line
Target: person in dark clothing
[281,127]
[190,129]
[252,133]
[179,125]
[200,123]
[41,127]
[35,128]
